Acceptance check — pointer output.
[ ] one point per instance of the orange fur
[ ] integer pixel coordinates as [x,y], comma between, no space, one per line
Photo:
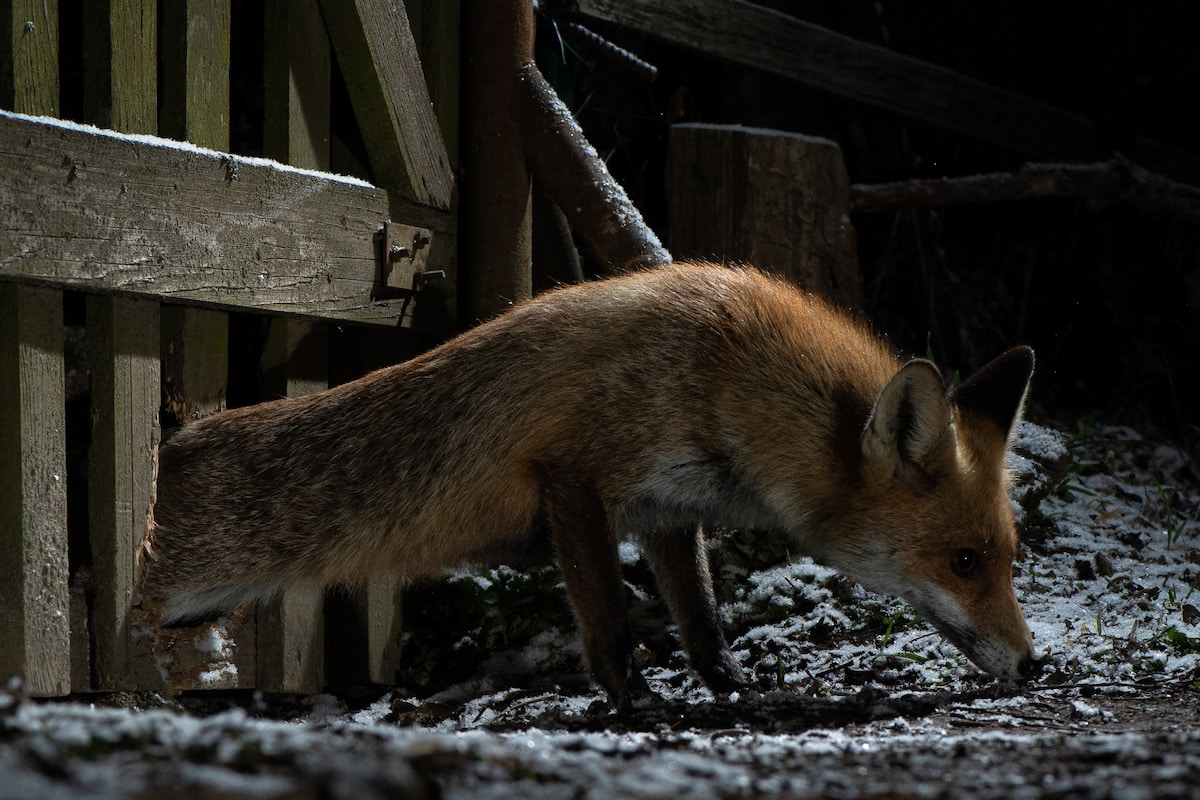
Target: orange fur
[647,405]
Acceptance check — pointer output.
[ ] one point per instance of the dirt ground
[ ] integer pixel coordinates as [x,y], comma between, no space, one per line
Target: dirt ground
[1118,741]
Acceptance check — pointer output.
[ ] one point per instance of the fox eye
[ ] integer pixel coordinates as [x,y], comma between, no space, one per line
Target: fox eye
[965,562]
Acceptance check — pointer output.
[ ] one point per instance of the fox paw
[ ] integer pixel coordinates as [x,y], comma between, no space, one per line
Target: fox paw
[723,674]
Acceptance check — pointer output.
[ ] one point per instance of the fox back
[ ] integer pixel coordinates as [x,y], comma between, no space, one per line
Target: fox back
[652,405]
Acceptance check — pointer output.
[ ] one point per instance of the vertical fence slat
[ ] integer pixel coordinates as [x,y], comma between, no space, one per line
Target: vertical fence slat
[121,59]
[34,616]
[35,624]
[195,41]
[296,120]
[384,600]
[29,59]
[123,359]
[291,628]
[120,41]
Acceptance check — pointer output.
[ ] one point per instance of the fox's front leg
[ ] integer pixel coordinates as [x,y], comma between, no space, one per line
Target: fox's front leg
[586,550]
[680,565]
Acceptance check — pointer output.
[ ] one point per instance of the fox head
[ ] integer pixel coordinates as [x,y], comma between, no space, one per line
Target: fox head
[933,522]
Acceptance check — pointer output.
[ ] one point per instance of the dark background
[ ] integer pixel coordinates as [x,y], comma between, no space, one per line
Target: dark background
[1109,297]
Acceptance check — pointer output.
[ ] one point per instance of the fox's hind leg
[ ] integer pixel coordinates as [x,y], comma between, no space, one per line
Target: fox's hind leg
[586,550]
[680,566]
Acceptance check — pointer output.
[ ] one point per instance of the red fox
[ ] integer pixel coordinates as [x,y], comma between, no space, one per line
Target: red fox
[653,405]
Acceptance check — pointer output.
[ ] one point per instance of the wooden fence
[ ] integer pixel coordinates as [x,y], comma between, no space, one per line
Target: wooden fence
[150,244]
[124,256]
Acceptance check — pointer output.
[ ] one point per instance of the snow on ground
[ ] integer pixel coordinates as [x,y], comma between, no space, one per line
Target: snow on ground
[853,695]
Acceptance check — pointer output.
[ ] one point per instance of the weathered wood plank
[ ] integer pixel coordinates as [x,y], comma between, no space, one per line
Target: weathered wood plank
[29,57]
[378,56]
[101,212]
[775,42]
[35,618]
[35,623]
[777,200]
[123,359]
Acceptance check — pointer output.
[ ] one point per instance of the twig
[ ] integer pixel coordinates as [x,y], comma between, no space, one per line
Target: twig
[614,53]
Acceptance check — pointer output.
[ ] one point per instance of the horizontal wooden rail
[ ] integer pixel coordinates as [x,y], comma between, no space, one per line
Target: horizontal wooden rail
[98,211]
[777,43]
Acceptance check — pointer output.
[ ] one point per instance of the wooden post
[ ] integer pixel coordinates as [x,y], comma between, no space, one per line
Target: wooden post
[35,623]
[779,201]
[34,614]
[195,72]
[494,210]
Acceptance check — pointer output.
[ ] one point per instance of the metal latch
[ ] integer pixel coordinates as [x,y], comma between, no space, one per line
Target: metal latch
[404,252]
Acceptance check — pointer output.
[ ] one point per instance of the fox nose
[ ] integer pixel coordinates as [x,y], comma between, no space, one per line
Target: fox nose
[1030,666]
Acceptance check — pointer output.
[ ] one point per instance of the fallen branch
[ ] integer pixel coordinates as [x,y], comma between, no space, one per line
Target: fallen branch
[574,176]
[1101,185]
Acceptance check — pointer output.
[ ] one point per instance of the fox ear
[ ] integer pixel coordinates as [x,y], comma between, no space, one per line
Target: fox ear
[995,395]
[910,423]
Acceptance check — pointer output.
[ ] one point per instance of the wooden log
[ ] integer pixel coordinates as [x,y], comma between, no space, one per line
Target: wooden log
[378,56]
[34,608]
[102,212]
[776,200]
[123,359]
[1100,184]
[783,45]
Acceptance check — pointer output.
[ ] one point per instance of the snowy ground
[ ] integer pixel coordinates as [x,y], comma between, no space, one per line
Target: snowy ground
[853,695]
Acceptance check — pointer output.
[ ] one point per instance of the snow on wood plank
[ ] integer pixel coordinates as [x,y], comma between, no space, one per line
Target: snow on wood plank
[91,209]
